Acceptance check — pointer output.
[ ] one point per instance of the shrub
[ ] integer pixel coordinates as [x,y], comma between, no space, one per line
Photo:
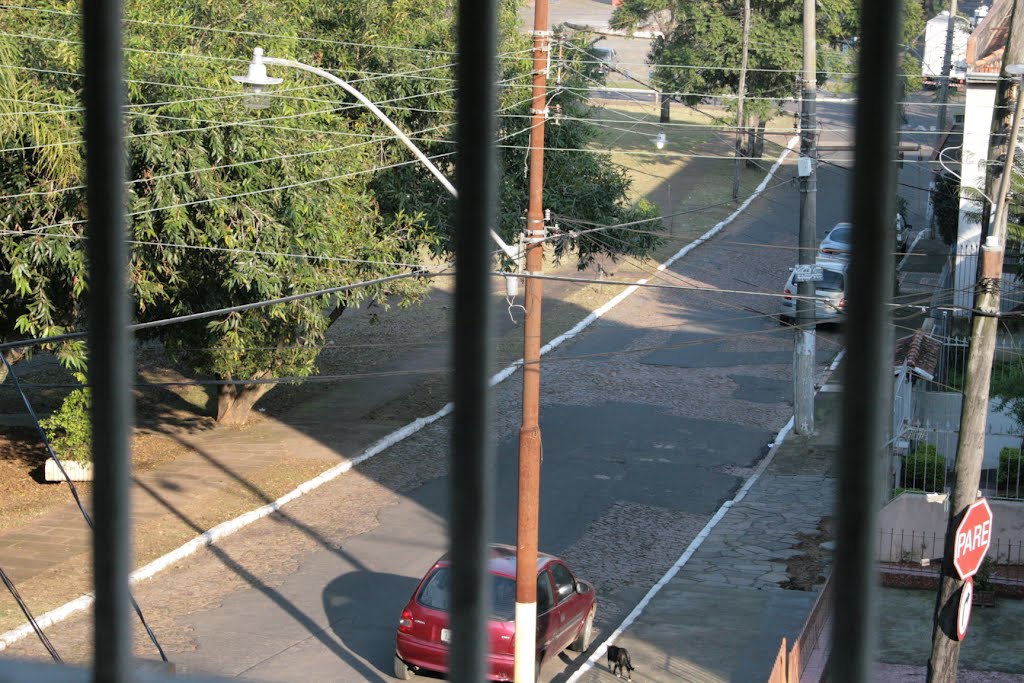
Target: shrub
[70,429]
[924,469]
[1009,476]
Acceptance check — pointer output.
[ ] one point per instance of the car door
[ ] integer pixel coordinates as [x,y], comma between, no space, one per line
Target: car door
[568,613]
[546,631]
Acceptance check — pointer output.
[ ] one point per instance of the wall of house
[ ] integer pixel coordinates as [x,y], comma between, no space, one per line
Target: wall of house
[913,525]
[980,100]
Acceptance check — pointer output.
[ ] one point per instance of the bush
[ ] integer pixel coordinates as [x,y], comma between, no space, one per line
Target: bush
[924,469]
[70,429]
[1009,472]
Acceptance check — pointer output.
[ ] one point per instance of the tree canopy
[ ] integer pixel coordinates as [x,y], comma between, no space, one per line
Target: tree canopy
[698,52]
[229,206]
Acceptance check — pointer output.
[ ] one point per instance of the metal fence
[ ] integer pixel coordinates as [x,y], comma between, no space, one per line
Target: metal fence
[924,456]
[903,546]
[965,276]
[1008,362]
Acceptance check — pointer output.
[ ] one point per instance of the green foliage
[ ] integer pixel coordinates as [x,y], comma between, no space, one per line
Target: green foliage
[946,200]
[70,428]
[228,206]
[1007,388]
[1009,474]
[983,577]
[924,469]
[709,33]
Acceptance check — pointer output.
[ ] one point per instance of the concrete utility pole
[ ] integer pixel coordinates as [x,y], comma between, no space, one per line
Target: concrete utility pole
[804,349]
[529,433]
[739,100]
[947,60]
[945,655]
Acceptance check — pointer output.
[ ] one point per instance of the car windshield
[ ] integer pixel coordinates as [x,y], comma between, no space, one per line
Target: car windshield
[832,281]
[840,235]
[435,592]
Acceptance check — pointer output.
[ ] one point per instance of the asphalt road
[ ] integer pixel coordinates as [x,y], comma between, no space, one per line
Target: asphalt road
[333,617]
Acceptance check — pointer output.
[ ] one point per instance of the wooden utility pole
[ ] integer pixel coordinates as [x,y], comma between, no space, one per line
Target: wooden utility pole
[947,63]
[529,433]
[945,656]
[741,92]
[804,348]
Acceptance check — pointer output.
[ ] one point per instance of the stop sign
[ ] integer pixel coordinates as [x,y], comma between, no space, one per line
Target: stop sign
[973,537]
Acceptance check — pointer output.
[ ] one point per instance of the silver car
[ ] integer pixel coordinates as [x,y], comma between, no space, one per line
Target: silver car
[837,242]
[830,295]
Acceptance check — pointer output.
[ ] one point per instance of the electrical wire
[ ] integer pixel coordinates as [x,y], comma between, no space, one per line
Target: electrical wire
[52,339]
[29,617]
[74,492]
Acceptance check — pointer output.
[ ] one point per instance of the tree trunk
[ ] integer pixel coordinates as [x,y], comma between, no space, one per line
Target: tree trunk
[666,108]
[235,401]
[12,356]
[752,142]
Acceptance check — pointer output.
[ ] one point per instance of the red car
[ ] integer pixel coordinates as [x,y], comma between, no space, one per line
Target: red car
[565,616]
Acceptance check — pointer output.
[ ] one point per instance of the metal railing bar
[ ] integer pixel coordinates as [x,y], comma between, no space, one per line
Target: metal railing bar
[109,342]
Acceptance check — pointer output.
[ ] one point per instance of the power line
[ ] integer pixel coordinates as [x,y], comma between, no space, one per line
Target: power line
[29,617]
[38,341]
[74,493]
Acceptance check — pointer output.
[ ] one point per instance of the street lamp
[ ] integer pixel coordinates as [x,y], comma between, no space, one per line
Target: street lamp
[258,84]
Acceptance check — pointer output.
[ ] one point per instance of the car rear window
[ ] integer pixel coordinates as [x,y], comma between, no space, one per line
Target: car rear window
[436,590]
[832,281]
[840,235]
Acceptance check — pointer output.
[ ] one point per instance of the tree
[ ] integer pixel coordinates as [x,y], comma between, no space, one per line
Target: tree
[696,33]
[230,207]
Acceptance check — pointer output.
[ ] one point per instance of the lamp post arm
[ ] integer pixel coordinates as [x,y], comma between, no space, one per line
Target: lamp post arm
[509,251]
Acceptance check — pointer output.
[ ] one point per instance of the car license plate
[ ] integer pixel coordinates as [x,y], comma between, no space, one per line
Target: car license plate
[446,635]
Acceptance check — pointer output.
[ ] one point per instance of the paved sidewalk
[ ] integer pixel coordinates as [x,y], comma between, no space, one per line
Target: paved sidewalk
[723,616]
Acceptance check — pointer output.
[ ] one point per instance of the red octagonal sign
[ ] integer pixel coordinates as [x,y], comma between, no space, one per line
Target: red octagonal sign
[973,537]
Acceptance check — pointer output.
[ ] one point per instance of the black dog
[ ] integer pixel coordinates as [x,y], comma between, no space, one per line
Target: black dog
[618,661]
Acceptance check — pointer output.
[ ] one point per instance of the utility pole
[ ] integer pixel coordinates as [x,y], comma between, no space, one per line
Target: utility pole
[804,348]
[945,654]
[947,60]
[739,100]
[528,519]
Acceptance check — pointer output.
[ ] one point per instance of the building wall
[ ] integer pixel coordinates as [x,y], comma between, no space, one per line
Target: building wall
[977,126]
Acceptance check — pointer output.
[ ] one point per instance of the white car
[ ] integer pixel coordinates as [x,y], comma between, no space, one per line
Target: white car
[830,295]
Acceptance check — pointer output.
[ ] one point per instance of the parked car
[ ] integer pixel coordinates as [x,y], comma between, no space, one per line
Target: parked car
[837,242]
[902,233]
[830,293]
[566,607]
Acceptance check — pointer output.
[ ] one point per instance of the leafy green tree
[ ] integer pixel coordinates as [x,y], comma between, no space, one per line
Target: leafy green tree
[698,53]
[229,206]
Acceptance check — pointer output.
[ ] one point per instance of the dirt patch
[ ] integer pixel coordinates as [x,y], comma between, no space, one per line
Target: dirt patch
[809,569]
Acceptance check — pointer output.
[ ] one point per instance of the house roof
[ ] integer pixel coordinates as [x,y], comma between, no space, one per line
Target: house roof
[919,352]
[987,42]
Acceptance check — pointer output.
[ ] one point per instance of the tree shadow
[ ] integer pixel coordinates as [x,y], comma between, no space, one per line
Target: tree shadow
[357,614]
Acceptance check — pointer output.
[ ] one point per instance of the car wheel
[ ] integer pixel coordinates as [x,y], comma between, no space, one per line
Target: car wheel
[582,641]
[402,670]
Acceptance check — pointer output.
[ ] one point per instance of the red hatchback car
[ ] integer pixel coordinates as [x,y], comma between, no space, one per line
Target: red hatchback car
[565,616]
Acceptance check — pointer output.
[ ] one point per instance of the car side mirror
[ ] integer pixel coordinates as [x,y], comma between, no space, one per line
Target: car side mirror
[584,588]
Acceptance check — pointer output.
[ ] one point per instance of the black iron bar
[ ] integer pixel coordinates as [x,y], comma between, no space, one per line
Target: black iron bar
[109,342]
[868,358]
[472,461]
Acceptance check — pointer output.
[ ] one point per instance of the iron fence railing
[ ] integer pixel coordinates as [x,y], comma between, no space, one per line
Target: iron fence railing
[909,546]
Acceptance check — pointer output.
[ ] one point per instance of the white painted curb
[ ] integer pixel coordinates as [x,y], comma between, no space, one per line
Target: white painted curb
[696,542]
[232,525]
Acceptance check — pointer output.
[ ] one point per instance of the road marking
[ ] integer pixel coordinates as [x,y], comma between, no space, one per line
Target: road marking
[229,527]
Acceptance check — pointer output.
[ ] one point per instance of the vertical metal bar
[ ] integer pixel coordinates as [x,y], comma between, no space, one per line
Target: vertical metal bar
[110,343]
[472,470]
[869,356]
